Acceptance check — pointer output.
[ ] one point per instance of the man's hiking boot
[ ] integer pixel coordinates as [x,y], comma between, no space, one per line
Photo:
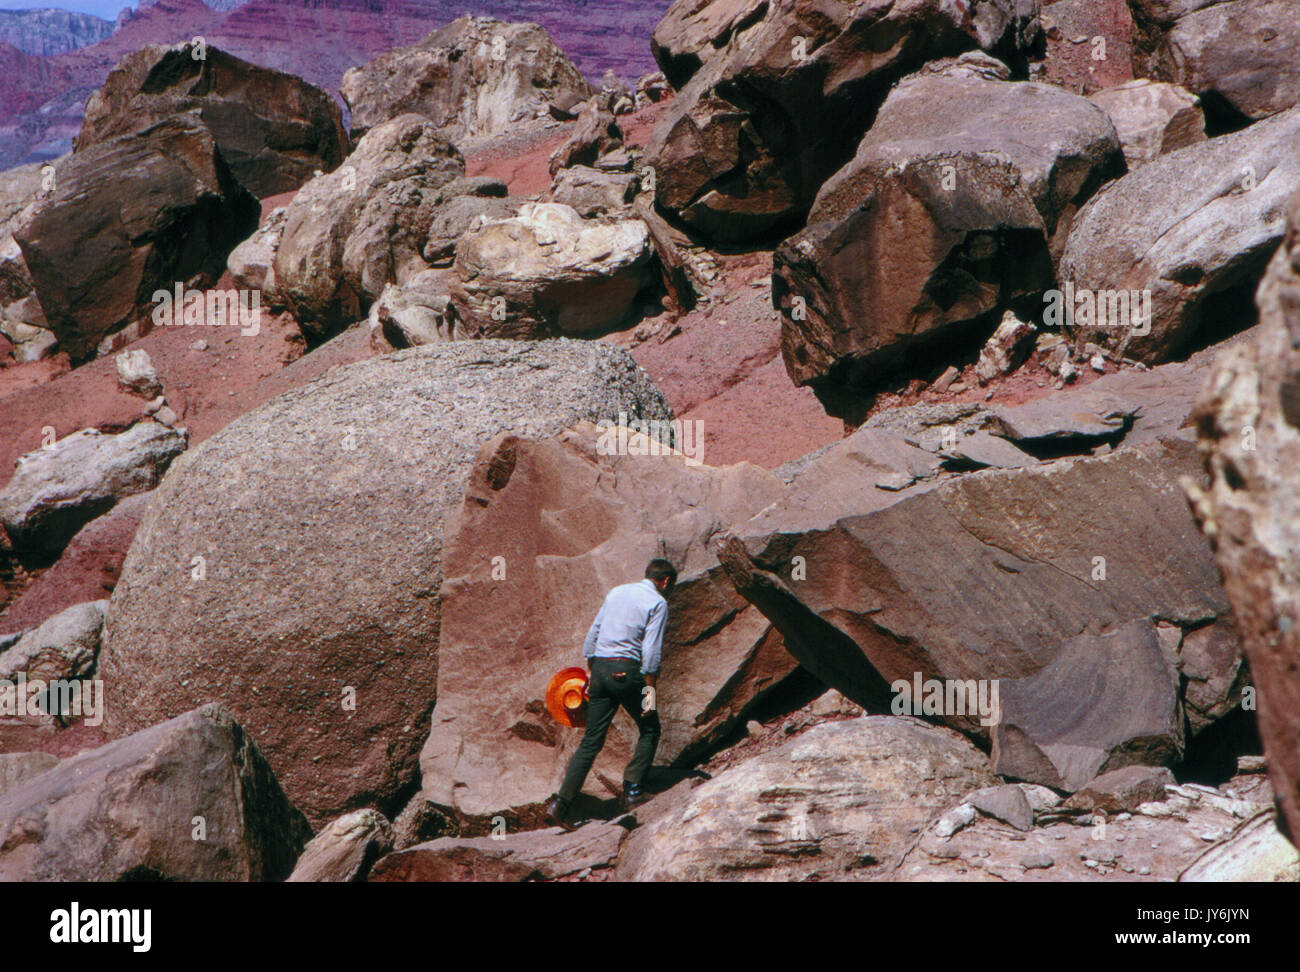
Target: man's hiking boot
[633,795]
[558,814]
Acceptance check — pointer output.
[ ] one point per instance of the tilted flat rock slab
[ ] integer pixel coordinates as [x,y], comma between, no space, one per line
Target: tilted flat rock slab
[547,527]
[987,575]
[1104,702]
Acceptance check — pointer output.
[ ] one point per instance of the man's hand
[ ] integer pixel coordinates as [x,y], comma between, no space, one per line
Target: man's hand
[647,699]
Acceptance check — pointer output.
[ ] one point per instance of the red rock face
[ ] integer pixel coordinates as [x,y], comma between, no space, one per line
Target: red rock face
[26,84]
[23,78]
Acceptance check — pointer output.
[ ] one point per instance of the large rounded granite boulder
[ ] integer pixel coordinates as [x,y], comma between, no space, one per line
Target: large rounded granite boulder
[290,567]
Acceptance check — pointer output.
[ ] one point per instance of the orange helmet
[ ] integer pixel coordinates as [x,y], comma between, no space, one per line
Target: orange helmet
[566,697]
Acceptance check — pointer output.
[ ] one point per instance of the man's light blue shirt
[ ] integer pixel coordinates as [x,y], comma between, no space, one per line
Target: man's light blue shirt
[630,625]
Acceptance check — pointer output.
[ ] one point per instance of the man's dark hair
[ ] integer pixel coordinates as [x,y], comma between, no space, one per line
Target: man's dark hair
[659,568]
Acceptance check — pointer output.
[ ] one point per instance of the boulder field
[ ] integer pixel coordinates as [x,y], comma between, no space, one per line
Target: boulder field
[948,350]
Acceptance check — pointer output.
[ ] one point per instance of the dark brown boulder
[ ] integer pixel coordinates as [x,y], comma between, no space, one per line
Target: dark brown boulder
[749,140]
[693,31]
[188,800]
[938,222]
[273,129]
[128,217]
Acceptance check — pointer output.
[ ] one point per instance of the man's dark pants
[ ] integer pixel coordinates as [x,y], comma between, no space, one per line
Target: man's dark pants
[614,682]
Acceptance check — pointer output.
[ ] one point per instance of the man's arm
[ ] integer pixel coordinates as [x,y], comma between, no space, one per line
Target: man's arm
[652,644]
[589,646]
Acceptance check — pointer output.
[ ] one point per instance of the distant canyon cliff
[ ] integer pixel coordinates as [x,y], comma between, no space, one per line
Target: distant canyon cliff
[51,60]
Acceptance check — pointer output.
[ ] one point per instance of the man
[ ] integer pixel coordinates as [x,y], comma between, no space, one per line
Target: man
[622,650]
